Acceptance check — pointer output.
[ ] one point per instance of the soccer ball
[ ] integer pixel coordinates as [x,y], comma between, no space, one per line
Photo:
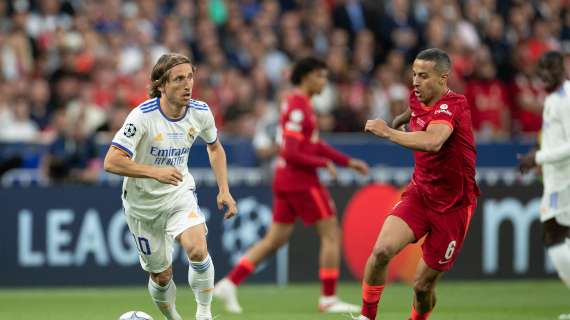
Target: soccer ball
[135,315]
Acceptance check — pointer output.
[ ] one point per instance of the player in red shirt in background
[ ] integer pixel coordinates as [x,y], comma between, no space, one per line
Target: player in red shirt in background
[440,199]
[297,192]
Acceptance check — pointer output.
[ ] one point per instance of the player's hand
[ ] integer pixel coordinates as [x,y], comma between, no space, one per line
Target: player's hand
[378,127]
[168,175]
[359,166]
[225,199]
[527,161]
[331,168]
[401,120]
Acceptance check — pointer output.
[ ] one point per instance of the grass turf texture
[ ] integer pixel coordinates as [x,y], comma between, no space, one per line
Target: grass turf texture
[489,300]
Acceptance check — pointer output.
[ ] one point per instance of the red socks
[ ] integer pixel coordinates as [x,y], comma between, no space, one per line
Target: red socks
[370,298]
[329,278]
[416,316]
[243,269]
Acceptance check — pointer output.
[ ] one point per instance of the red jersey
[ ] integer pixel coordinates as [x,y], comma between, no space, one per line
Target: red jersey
[446,179]
[301,151]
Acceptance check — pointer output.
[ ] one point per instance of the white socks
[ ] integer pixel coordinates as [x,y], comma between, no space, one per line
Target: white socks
[201,279]
[164,298]
[560,256]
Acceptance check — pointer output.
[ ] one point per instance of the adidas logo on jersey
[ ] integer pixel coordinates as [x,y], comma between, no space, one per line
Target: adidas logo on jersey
[158,137]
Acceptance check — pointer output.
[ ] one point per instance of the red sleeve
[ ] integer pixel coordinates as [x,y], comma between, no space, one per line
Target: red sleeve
[332,154]
[291,153]
[446,113]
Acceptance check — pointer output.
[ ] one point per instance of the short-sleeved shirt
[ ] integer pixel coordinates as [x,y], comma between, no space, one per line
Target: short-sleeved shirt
[152,138]
[446,178]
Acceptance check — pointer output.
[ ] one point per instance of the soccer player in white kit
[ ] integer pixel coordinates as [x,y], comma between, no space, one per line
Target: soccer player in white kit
[151,151]
[554,158]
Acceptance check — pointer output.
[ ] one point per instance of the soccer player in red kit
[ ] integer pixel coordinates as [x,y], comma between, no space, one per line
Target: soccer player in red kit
[440,199]
[297,192]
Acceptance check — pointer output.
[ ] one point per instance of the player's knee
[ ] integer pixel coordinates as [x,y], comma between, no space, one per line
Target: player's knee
[383,253]
[197,253]
[553,233]
[423,287]
[330,239]
[162,278]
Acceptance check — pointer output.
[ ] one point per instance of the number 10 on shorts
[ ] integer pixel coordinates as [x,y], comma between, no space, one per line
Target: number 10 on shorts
[142,245]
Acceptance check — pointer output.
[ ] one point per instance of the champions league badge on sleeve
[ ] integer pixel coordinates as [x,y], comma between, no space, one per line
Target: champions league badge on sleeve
[130,130]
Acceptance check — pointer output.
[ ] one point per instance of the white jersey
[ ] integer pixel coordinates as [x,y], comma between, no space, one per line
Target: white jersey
[151,138]
[554,153]
[554,156]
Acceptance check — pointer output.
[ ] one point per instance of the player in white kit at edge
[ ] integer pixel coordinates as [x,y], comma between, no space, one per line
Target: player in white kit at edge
[553,157]
[151,151]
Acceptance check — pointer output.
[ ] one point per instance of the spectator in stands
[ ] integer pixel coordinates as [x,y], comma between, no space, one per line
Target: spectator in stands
[488,98]
[72,156]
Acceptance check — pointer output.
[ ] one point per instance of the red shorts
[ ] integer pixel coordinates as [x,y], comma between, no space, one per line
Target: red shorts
[445,231]
[310,205]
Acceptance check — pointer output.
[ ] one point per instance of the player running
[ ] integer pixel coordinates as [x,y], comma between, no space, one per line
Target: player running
[297,192]
[439,201]
[554,158]
[159,194]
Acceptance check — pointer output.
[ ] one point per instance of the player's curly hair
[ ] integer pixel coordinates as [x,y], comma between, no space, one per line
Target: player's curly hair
[161,71]
[305,66]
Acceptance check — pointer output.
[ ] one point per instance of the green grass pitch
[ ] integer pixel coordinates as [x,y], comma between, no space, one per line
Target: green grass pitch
[488,300]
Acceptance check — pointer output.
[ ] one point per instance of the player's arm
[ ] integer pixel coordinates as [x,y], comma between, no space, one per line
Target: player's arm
[119,162]
[401,120]
[291,152]
[218,163]
[561,152]
[430,140]
[341,159]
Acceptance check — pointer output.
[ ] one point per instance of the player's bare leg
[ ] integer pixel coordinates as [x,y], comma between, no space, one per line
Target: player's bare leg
[394,236]
[558,247]
[329,262]
[201,269]
[277,235]
[424,291]
[163,293]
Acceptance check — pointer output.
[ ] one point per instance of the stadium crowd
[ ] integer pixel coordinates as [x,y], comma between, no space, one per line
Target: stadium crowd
[70,70]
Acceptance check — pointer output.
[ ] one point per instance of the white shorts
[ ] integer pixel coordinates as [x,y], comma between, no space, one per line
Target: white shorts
[155,238]
[556,204]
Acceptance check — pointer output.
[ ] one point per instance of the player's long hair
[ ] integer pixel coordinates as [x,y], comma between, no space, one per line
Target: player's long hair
[161,71]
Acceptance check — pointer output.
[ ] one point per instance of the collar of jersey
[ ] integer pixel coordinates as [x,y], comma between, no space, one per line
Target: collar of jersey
[170,119]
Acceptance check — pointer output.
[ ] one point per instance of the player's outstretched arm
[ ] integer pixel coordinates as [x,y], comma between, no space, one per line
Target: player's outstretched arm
[401,119]
[118,162]
[430,140]
[218,162]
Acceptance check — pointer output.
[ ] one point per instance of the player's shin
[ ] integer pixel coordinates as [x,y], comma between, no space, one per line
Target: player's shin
[164,298]
[201,279]
[560,255]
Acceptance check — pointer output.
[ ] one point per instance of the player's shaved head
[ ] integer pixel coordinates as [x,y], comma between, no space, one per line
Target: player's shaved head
[160,71]
[305,66]
[439,57]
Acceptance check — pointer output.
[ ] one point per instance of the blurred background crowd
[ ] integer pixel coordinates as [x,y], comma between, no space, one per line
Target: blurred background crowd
[71,70]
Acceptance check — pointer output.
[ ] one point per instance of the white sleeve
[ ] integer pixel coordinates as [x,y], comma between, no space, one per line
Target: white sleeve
[562,152]
[209,132]
[130,134]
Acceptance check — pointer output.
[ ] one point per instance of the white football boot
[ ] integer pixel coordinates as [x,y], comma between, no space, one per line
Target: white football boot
[226,291]
[333,304]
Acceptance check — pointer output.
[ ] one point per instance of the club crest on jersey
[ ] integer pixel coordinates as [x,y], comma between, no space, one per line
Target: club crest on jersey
[129,130]
[158,137]
[192,132]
